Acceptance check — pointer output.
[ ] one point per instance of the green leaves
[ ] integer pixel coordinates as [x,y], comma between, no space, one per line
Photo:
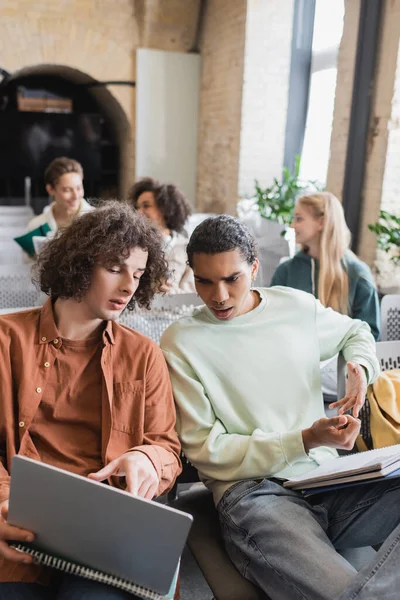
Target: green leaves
[387,230]
[277,201]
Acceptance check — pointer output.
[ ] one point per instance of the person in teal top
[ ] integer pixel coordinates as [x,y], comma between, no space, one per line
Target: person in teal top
[325,267]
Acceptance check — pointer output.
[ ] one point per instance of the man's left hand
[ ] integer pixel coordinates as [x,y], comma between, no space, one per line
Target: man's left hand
[141,477]
[356,389]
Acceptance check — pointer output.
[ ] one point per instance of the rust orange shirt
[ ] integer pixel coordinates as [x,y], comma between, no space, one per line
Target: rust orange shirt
[137,409]
[66,428]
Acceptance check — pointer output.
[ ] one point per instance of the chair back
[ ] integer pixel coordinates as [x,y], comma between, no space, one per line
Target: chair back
[7,220]
[18,211]
[16,287]
[9,311]
[8,233]
[165,310]
[390,317]
[10,252]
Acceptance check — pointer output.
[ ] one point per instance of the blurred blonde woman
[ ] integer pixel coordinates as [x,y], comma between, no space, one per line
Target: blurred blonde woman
[325,266]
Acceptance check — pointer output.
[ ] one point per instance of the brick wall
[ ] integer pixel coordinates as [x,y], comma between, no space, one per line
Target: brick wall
[222,50]
[96,39]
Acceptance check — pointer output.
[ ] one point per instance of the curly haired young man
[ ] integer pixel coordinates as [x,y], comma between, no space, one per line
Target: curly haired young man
[80,391]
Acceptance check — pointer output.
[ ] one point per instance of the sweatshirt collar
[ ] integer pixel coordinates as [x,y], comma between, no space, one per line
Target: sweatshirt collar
[241,319]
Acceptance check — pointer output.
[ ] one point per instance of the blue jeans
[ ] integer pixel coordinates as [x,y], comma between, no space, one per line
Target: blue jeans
[69,588]
[286,544]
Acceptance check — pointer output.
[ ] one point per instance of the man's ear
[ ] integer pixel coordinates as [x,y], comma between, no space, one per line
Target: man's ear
[254,269]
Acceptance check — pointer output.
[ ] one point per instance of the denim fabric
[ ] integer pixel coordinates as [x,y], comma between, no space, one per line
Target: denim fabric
[70,588]
[286,544]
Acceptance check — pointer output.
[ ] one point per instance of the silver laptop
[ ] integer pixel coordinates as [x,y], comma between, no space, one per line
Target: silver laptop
[96,525]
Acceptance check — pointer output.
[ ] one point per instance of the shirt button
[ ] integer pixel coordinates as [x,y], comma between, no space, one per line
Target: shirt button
[46,364]
[44,339]
[56,341]
[39,389]
[21,424]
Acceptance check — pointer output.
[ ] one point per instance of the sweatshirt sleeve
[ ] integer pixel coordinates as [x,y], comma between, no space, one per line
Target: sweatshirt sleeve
[339,333]
[366,305]
[215,452]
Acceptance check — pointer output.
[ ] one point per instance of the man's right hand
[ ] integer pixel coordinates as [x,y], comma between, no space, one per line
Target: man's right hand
[335,432]
[15,534]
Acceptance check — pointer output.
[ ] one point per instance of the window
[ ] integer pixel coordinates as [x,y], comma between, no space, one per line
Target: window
[328,29]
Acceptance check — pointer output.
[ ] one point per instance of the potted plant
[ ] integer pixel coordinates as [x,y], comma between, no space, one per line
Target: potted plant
[276,202]
[387,230]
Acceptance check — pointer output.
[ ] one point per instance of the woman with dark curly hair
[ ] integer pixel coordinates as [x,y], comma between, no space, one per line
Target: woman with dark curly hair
[81,392]
[169,209]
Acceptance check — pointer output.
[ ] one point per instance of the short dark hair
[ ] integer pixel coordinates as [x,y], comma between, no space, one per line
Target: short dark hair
[59,167]
[222,233]
[65,265]
[169,199]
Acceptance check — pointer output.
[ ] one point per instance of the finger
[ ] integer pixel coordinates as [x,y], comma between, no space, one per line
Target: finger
[111,469]
[144,487]
[9,532]
[148,488]
[132,480]
[14,555]
[358,405]
[337,421]
[338,402]
[353,422]
[353,427]
[4,512]
[348,406]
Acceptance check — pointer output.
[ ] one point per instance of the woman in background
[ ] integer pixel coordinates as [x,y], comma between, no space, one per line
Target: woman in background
[64,182]
[168,207]
[326,267]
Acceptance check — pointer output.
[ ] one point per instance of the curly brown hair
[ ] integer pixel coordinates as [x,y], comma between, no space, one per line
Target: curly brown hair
[169,199]
[65,265]
[59,167]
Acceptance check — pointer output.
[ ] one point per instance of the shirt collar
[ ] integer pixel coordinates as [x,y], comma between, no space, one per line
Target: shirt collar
[108,334]
[48,331]
[47,327]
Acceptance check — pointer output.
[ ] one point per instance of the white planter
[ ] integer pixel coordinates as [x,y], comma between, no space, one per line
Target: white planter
[272,247]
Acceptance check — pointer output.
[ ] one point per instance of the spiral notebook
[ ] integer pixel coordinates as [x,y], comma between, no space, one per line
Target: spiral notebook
[96,531]
[66,566]
[359,467]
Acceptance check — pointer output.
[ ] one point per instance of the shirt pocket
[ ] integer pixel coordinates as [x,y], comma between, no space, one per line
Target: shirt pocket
[128,406]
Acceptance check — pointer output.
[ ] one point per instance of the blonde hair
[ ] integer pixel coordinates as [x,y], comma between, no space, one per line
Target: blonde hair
[333,283]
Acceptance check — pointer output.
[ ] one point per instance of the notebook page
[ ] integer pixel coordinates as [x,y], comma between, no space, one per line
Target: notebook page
[372,460]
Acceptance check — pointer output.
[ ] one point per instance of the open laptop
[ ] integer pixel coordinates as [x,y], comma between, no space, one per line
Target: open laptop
[97,525]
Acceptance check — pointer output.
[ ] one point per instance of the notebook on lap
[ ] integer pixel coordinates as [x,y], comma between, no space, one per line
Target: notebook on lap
[97,531]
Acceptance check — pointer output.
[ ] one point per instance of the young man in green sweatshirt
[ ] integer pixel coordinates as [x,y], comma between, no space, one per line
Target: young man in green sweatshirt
[246,380]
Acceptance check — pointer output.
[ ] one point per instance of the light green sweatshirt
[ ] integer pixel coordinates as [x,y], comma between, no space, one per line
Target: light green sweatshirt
[246,388]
